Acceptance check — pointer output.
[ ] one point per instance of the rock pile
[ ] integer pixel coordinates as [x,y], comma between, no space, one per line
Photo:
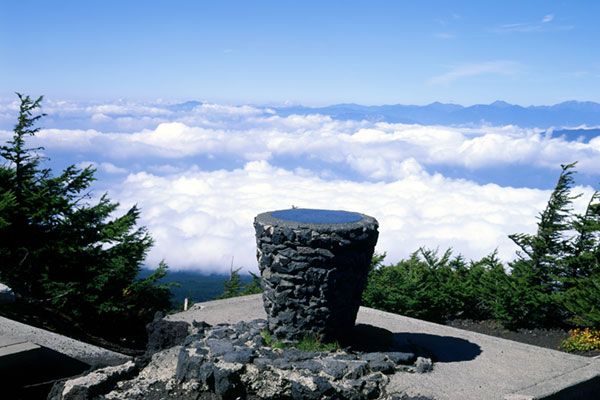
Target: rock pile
[233,361]
[313,274]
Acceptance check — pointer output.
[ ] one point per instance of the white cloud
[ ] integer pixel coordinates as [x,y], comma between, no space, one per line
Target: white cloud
[201,213]
[5,135]
[375,151]
[485,68]
[104,166]
[548,18]
[519,27]
[201,219]
[111,168]
[444,35]
[124,109]
[542,25]
[124,116]
[10,105]
[69,139]
[220,110]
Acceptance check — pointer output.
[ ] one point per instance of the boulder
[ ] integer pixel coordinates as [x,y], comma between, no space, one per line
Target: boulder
[163,334]
[6,294]
[94,383]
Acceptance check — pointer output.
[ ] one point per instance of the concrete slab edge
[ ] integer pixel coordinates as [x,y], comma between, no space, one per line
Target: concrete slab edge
[579,383]
[84,352]
[17,348]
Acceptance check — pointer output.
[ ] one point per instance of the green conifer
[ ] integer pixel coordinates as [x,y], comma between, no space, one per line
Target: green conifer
[60,249]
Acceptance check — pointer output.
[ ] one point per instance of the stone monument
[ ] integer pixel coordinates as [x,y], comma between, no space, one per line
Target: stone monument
[314,266]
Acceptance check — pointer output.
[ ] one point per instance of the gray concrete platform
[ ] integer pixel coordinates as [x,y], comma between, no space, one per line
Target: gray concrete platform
[23,336]
[32,359]
[10,345]
[468,365]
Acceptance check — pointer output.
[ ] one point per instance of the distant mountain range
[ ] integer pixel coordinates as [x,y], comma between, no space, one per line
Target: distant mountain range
[567,114]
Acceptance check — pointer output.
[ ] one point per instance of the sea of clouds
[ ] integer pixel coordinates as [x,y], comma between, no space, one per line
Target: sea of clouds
[201,172]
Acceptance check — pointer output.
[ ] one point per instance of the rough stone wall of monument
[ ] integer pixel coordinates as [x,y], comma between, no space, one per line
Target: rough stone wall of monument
[313,280]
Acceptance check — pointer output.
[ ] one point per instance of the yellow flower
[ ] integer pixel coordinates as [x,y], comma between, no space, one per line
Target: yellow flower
[581,340]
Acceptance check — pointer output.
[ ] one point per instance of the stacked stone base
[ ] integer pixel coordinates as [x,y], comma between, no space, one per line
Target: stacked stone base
[313,279]
[234,362]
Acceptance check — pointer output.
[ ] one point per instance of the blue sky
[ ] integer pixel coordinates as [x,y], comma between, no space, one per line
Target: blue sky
[309,52]
[112,73]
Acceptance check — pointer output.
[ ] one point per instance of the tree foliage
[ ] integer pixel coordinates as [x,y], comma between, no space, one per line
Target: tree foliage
[539,270]
[560,258]
[423,286]
[58,247]
[582,270]
[554,280]
[233,287]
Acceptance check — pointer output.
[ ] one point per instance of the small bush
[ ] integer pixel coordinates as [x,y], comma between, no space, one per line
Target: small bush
[581,340]
[310,342]
[314,342]
[267,336]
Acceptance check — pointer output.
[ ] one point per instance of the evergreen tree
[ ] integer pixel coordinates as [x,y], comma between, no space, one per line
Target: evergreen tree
[424,286]
[254,287]
[377,261]
[555,279]
[584,248]
[582,268]
[7,202]
[443,288]
[469,291]
[396,288]
[583,300]
[537,274]
[493,294]
[545,250]
[57,248]
[232,287]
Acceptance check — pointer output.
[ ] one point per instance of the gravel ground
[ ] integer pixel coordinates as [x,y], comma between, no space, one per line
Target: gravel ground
[542,337]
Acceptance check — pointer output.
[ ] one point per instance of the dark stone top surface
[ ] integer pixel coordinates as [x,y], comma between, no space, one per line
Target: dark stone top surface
[313,216]
[318,220]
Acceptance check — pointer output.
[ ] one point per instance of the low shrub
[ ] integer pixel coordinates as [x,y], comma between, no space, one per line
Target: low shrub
[581,340]
[310,342]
